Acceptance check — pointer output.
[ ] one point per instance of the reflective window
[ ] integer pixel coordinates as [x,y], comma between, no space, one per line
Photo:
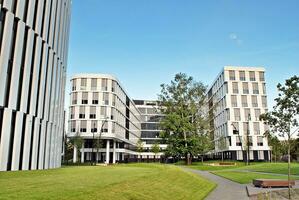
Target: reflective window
[232,76]
[94,84]
[83,83]
[242,76]
[252,76]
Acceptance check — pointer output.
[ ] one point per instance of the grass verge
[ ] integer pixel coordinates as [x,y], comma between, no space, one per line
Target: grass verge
[247,177]
[122,182]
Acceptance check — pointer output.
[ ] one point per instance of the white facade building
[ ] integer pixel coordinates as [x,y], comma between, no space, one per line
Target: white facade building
[34,37]
[100,109]
[236,99]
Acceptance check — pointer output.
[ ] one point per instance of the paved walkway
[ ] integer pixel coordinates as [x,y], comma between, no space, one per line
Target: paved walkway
[225,190]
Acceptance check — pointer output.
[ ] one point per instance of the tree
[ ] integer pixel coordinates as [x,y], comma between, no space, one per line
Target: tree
[98,144]
[68,151]
[295,149]
[222,145]
[155,150]
[275,144]
[77,142]
[204,144]
[183,104]
[139,148]
[284,117]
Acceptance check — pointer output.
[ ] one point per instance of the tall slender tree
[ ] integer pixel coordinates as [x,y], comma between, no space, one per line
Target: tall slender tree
[155,149]
[186,120]
[77,142]
[139,147]
[284,117]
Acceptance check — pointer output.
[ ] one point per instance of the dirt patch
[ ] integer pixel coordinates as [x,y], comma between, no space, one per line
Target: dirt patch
[279,195]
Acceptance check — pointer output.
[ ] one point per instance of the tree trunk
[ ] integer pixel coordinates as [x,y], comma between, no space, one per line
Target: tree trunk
[222,156]
[289,168]
[78,156]
[202,159]
[188,160]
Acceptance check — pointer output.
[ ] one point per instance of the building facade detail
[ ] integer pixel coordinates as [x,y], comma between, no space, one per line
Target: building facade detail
[236,99]
[150,127]
[34,37]
[100,109]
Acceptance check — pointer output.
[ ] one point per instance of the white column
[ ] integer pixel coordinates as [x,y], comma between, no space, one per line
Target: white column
[114,151]
[42,145]
[107,151]
[27,141]
[82,153]
[17,141]
[75,155]
[5,138]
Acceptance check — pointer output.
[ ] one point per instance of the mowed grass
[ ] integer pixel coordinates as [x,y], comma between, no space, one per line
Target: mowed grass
[206,167]
[247,177]
[278,168]
[122,182]
[245,174]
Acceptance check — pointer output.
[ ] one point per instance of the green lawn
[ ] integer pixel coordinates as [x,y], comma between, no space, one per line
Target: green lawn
[245,174]
[247,177]
[279,168]
[122,182]
[205,167]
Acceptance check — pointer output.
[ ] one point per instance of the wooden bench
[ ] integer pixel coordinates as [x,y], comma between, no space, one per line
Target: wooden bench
[272,183]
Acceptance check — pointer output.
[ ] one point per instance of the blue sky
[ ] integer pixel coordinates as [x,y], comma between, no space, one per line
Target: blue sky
[145,42]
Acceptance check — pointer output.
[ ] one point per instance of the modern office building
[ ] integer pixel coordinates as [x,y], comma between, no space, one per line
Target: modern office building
[236,99]
[100,109]
[150,127]
[34,38]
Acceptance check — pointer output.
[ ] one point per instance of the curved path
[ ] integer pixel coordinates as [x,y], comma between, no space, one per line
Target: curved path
[225,190]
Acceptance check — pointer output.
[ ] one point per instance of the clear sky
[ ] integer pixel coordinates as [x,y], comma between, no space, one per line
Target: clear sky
[145,42]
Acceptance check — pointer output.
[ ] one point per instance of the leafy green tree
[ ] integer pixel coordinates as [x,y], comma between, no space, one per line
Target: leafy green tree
[139,146]
[77,141]
[155,149]
[97,145]
[186,120]
[68,151]
[284,117]
[222,145]
[295,149]
[275,144]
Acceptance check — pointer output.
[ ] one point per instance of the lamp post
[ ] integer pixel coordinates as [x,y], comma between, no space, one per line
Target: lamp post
[101,130]
[248,144]
[237,131]
[92,144]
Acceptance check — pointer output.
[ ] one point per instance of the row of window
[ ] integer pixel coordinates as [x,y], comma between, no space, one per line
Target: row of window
[256,128]
[247,114]
[242,75]
[150,126]
[105,98]
[222,130]
[245,102]
[81,126]
[245,88]
[95,84]
[149,111]
[224,142]
[150,134]
[103,111]
[95,98]
[240,141]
